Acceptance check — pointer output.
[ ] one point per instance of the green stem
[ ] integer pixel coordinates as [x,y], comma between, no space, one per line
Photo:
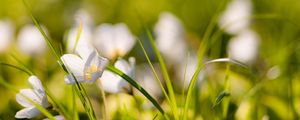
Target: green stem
[137,86]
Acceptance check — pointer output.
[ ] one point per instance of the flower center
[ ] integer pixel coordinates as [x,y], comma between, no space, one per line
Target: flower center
[90,70]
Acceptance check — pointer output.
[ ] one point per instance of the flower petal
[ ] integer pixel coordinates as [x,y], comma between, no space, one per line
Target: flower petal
[104,40]
[94,66]
[31,95]
[124,40]
[36,84]
[70,80]
[22,100]
[84,49]
[112,83]
[27,113]
[74,64]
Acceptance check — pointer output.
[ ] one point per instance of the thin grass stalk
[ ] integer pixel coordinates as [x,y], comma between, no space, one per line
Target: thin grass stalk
[138,87]
[166,76]
[154,71]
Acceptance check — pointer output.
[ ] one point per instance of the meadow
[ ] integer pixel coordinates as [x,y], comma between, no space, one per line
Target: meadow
[150,59]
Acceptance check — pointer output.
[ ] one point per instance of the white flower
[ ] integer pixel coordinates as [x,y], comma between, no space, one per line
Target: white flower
[37,95]
[87,67]
[31,41]
[236,17]
[170,37]
[6,34]
[114,40]
[81,18]
[244,46]
[147,79]
[113,83]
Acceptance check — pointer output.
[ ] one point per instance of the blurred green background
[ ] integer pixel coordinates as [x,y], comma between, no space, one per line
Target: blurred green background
[253,94]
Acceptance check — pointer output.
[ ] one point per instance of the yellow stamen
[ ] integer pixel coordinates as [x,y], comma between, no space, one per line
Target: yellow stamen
[91,69]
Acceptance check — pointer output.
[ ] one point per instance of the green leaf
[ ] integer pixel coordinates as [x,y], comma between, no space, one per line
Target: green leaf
[138,87]
[220,97]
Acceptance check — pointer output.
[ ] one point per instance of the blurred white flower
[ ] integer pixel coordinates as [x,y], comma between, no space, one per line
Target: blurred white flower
[87,67]
[244,46]
[148,80]
[114,40]
[31,41]
[170,37]
[113,83]
[236,17]
[37,95]
[6,34]
[82,18]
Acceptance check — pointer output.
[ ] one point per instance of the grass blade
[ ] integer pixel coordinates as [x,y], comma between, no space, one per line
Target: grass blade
[166,76]
[138,87]
[154,71]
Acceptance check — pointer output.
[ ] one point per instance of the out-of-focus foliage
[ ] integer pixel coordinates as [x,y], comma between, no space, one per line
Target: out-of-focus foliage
[268,88]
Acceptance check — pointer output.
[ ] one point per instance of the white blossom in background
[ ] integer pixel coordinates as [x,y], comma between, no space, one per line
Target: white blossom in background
[31,41]
[236,17]
[81,18]
[113,41]
[186,70]
[113,83]
[6,34]
[147,79]
[170,37]
[87,67]
[244,47]
[37,95]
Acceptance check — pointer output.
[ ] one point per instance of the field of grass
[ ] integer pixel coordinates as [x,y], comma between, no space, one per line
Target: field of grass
[150,59]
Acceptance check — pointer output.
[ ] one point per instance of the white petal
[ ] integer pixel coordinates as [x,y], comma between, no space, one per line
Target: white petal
[236,17]
[31,95]
[170,34]
[124,40]
[243,47]
[6,34]
[36,84]
[126,67]
[23,101]
[84,49]
[74,64]
[27,113]
[85,37]
[70,80]
[112,83]
[98,62]
[104,40]
[30,34]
